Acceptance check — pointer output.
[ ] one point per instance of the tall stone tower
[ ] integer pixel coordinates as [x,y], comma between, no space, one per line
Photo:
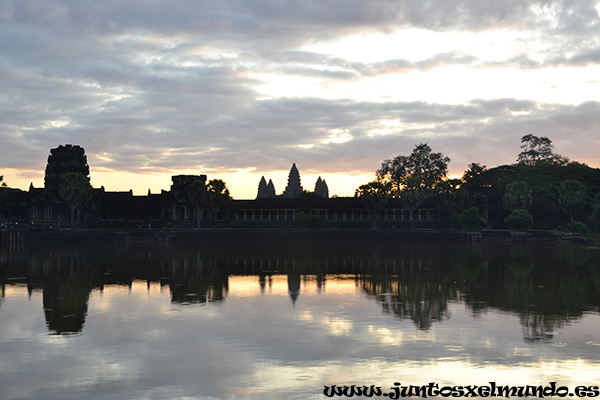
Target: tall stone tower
[270,190]
[321,188]
[61,161]
[293,188]
[265,190]
[262,188]
[181,184]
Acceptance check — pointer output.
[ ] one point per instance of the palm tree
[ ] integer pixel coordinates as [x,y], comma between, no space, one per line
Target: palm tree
[571,195]
[217,195]
[517,196]
[198,196]
[3,188]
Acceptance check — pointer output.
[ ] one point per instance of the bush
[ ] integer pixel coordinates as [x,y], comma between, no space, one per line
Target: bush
[594,218]
[454,221]
[519,219]
[574,227]
[307,221]
[470,218]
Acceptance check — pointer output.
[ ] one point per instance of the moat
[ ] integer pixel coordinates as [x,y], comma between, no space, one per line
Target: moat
[218,319]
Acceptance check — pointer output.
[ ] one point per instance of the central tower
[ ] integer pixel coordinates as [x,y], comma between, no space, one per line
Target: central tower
[61,161]
[293,188]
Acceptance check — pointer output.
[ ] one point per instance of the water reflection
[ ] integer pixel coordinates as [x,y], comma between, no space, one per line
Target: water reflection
[66,302]
[546,286]
[198,284]
[274,320]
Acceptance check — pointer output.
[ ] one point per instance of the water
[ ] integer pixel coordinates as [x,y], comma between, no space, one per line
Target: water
[284,319]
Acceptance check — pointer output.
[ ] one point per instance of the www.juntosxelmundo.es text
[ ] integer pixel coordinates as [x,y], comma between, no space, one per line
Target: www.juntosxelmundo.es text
[433,389]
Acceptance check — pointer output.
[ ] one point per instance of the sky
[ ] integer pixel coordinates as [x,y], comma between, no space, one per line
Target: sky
[238,89]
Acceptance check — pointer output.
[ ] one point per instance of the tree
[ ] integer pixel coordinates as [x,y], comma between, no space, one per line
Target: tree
[594,218]
[374,196]
[536,149]
[473,170]
[412,196]
[76,190]
[422,166]
[217,195]
[452,194]
[470,218]
[472,176]
[571,195]
[305,220]
[198,195]
[517,196]
[519,219]
[3,188]
[308,195]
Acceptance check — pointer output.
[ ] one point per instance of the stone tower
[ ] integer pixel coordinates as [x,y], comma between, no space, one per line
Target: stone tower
[182,183]
[265,190]
[262,188]
[293,188]
[321,188]
[270,190]
[61,161]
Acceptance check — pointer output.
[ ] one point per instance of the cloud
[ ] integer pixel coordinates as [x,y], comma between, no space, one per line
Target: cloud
[227,85]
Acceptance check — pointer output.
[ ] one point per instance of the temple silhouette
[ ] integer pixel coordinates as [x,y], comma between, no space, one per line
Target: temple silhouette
[294,188]
[409,281]
[44,208]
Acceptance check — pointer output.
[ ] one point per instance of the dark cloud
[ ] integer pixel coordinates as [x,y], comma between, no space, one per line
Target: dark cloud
[292,17]
[173,85]
[585,58]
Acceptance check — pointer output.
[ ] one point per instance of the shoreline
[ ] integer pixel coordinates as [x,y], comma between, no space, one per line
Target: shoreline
[13,237]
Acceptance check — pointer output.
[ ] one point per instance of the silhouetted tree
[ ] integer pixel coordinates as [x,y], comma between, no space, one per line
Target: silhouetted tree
[217,196]
[519,219]
[3,188]
[412,196]
[571,195]
[198,197]
[374,196]
[470,218]
[76,190]
[422,166]
[594,218]
[536,149]
[308,195]
[517,196]
[453,196]
[473,172]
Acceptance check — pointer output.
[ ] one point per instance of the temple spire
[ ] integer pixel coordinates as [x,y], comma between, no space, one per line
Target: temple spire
[294,188]
[265,190]
[262,188]
[270,190]
[321,188]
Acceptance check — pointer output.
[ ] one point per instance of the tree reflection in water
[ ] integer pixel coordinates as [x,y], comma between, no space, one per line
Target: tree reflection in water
[547,286]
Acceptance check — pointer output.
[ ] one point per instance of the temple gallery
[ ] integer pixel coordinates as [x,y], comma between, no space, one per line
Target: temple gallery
[177,208]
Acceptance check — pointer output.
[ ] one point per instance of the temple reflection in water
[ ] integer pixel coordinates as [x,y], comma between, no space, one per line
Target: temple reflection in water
[416,281]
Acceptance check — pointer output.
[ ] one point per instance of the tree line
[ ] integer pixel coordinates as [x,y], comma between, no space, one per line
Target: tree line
[541,190]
